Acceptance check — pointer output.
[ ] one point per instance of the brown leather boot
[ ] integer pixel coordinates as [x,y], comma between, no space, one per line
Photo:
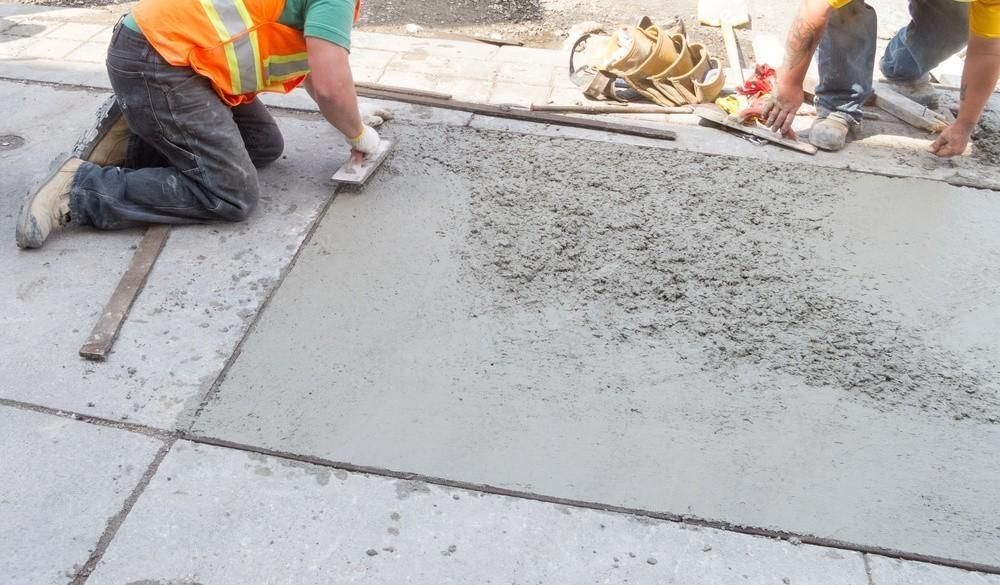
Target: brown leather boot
[47,208]
[112,149]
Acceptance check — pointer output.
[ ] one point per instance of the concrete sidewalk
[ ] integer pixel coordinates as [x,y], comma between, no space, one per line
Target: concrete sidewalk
[101,480]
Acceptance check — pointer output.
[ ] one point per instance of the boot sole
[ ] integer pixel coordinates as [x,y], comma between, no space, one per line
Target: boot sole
[24,217]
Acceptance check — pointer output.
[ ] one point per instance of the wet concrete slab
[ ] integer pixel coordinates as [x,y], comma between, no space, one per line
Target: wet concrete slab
[61,481]
[765,344]
[223,517]
[205,289]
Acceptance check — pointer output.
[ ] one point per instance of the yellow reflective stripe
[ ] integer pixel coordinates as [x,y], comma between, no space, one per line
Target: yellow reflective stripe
[258,73]
[285,67]
[247,66]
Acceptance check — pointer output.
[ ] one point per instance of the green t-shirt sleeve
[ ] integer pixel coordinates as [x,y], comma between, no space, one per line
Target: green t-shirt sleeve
[330,20]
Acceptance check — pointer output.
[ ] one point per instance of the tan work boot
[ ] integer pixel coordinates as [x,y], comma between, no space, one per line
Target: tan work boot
[830,133]
[47,208]
[918,90]
[112,149]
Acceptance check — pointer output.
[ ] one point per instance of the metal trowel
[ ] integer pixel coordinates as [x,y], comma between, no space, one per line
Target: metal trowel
[359,168]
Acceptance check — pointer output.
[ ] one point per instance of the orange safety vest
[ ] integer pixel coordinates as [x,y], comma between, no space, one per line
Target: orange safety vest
[238,44]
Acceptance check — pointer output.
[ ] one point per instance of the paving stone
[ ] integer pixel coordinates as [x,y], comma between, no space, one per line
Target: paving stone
[11,46]
[516,93]
[435,66]
[532,56]
[886,571]
[226,517]
[526,74]
[465,89]
[89,53]
[60,482]
[407,79]
[370,58]
[48,49]
[202,295]
[74,31]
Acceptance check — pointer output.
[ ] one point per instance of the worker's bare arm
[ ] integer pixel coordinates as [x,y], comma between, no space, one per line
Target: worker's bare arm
[979,79]
[803,37]
[331,85]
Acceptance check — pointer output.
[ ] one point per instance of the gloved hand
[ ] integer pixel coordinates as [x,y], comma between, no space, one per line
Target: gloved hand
[373,115]
[367,143]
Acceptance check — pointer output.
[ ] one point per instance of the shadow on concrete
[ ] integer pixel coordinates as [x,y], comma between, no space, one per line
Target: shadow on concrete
[442,13]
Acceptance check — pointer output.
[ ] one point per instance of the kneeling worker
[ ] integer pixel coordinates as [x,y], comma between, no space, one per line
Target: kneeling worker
[185,74]
[845,32]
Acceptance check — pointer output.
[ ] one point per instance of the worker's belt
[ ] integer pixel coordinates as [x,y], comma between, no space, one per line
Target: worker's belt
[660,65]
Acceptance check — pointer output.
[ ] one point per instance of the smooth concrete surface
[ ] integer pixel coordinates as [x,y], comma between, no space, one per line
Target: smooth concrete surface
[885,571]
[61,481]
[486,310]
[206,287]
[220,517]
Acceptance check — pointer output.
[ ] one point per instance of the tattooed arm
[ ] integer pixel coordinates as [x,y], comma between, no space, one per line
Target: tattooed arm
[982,69]
[803,38]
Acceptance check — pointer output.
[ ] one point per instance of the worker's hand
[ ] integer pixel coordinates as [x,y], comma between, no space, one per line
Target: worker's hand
[780,111]
[953,141]
[367,143]
[374,116]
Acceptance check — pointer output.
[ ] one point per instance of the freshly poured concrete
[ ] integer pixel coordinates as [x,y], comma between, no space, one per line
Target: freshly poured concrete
[220,517]
[203,292]
[61,481]
[784,347]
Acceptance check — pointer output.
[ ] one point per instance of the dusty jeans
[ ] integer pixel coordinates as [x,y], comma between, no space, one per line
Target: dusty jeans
[846,58]
[192,158]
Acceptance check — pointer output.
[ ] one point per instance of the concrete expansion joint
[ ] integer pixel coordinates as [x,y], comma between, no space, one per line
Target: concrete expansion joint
[118,519]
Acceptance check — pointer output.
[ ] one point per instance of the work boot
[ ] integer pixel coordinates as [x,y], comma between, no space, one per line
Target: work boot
[918,90]
[112,148]
[830,133]
[47,208]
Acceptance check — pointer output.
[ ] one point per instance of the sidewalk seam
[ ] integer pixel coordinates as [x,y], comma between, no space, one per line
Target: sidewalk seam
[140,429]
[115,523]
[868,569]
[611,508]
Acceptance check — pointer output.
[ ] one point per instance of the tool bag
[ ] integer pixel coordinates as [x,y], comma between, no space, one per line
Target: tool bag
[659,65]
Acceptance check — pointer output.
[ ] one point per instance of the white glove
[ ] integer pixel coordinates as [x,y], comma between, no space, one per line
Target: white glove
[373,115]
[367,143]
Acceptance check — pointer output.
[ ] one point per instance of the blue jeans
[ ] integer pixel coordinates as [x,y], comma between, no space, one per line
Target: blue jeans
[938,29]
[191,157]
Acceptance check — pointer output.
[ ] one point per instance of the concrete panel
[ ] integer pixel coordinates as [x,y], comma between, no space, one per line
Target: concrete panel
[895,572]
[770,345]
[61,481]
[221,517]
[203,292]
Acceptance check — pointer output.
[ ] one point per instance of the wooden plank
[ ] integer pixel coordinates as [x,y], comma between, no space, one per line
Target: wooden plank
[609,109]
[357,170]
[908,110]
[721,118]
[106,330]
[402,90]
[522,114]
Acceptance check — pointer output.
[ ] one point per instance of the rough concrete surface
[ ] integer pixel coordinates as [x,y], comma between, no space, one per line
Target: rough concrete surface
[885,571]
[203,292]
[220,517]
[61,481]
[758,343]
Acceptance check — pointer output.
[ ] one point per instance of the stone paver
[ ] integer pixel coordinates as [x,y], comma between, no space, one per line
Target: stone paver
[60,482]
[224,517]
[886,571]
[520,94]
[205,289]
[428,375]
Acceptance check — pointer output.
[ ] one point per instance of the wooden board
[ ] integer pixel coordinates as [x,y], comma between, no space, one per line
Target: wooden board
[356,172]
[721,118]
[401,90]
[610,109]
[908,110]
[98,345]
[523,114]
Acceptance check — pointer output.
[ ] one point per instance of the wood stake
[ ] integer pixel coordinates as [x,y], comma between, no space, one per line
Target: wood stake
[98,345]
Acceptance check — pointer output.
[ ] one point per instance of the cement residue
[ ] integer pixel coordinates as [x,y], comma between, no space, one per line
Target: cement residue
[711,252]
[986,138]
